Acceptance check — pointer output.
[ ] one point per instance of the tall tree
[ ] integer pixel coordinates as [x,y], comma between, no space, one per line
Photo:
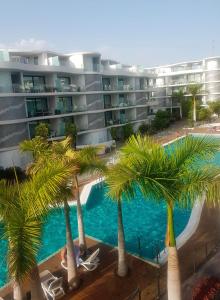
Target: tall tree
[194,91]
[82,161]
[116,193]
[175,174]
[22,210]
[215,107]
[180,97]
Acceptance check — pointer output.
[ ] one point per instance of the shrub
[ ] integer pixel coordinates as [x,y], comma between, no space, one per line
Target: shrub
[42,130]
[71,130]
[127,131]
[145,129]
[204,114]
[9,174]
[114,133]
[215,107]
[161,120]
[206,289]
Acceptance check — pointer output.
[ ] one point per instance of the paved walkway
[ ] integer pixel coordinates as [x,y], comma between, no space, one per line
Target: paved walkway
[211,268]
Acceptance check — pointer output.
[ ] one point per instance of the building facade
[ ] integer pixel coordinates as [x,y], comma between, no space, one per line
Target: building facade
[94,94]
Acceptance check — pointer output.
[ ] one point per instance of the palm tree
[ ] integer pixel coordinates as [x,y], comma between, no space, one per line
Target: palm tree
[194,90]
[43,153]
[22,210]
[175,175]
[180,97]
[82,161]
[116,193]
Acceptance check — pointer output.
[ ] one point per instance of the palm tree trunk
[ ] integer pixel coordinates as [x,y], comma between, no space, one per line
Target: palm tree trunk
[17,291]
[122,264]
[35,285]
[181,111]
[171,106]
[194,109]
[81,231]
[72,274]
[173,272]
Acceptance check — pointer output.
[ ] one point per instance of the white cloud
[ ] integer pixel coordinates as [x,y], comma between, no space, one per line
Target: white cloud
[28,44]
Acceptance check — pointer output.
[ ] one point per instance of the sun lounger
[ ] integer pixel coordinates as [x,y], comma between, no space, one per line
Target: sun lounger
[91,263]
[52,285]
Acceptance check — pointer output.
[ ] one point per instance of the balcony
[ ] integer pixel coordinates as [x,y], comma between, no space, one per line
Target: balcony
[125,87]
[111,122]
[32,114]
[74,108]
[121,104]
[19,88]
[24,60]
[69,88]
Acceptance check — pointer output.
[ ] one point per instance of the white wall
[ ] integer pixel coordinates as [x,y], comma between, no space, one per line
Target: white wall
[94,137]
[5,81]
[77,61]
[212,64]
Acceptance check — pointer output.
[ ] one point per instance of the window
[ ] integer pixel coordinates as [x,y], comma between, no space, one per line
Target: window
[37,107]
[34,83]
[107,101]
[64,105]
[64,81]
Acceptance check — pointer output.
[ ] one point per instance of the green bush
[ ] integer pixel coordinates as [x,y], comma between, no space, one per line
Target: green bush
[215,107]
[145,128]
[204,114]
[114,133]
[127,131]
[71,130]
[42,130]
[9,174]
[162,120]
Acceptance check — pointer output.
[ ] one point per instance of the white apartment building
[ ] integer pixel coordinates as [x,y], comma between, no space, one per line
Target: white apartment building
[84,89]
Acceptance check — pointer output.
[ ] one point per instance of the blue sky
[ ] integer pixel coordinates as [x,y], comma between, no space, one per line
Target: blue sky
[137,32]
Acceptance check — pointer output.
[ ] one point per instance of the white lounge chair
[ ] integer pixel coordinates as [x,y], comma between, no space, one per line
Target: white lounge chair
[91,263]
[52,285]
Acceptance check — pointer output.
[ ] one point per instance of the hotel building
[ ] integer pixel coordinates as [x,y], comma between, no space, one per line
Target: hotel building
[94,94]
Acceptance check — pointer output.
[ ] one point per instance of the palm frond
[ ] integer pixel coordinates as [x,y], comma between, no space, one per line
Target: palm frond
[191,150]
[37,146]
[23,232]
[43,188]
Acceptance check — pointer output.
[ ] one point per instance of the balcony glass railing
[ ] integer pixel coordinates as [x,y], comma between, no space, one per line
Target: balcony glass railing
[111,122]
[34,113]
[74,108]
[19,88]
[121,104]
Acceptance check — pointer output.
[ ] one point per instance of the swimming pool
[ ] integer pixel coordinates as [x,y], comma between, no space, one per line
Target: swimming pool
[144,224]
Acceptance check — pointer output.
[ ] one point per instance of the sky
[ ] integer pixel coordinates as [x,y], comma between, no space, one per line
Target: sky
[141,32]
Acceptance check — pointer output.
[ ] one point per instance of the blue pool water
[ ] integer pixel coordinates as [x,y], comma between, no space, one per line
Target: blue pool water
[144,221]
